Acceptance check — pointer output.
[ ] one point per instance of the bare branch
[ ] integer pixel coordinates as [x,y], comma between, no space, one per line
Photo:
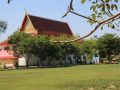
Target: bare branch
[83,16]
[65,14]
[70,7]
[117,29]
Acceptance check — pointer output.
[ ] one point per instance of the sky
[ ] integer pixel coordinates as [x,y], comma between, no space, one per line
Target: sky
[14,12]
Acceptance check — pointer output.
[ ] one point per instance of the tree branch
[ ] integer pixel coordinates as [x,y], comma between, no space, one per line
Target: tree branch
[70,7]
[71,10]
[79,37]
[97,26]
[9,1]
[111,18]
[83,16]
[117,29]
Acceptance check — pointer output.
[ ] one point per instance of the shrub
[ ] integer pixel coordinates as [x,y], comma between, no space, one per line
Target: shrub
[1,66]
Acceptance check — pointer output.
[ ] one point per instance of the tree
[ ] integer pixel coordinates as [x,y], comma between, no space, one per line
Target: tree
[41,42]
[27,45]
[66,49]
[16,40]
[41,47]
[52,52]
[89,46]
[3,26]
[108,44]
[22,45]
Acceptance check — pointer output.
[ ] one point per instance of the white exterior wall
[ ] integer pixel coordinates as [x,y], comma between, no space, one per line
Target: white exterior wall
[33,61]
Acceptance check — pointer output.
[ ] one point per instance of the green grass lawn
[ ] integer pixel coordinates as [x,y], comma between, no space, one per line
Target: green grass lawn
[83,77]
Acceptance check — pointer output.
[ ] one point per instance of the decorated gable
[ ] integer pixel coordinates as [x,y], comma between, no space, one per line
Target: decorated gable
[28,27]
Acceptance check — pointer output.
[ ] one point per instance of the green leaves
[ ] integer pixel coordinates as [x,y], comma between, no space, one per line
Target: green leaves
[106,1]
[93,16]
[111,25]
[116,1]
[83,1]
[102,9]
[115,6]
[3,26]
[40,46]
[108,6]
[21,42]
[107,44]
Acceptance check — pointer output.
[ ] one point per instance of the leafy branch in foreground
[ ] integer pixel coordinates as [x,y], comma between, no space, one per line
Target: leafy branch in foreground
[104,12]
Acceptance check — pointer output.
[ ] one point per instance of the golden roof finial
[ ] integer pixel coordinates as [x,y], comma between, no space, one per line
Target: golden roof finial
[26,13]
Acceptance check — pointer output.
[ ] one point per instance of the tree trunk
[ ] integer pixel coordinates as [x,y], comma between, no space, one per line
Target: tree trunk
[49,62]
[65,62]
[109,59]
[40,63]
[27,61]
[60,61]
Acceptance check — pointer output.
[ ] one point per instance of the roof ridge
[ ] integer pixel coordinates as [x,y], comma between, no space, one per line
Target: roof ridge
[4,41]
[48,18]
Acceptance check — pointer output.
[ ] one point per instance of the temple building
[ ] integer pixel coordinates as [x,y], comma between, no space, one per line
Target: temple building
[38,25]
[33,25]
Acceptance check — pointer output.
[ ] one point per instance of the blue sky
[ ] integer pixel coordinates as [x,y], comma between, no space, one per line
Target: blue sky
[14,13]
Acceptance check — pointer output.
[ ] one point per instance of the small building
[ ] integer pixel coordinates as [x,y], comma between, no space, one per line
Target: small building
[6,55]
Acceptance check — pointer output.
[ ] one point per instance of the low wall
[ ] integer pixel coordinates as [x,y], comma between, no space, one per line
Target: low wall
[8,63]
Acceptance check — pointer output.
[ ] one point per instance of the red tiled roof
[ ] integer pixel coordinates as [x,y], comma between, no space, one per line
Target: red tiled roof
[4,43]
[6,55]
[48,26]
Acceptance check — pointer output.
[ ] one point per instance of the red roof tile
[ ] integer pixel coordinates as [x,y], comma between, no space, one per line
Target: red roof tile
[6,55]
[4,43]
